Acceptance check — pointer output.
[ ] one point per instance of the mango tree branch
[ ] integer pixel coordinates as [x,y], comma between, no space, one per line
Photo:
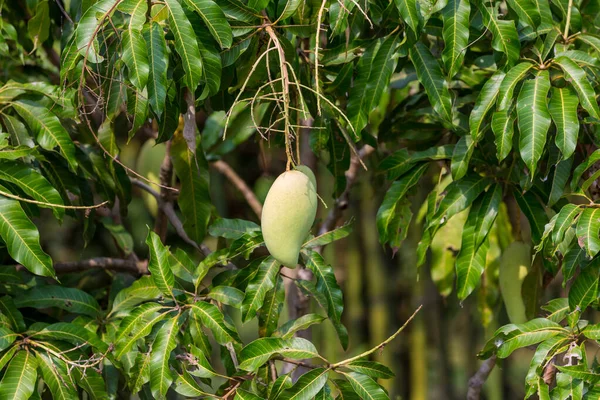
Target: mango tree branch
[476,382]
[240,185]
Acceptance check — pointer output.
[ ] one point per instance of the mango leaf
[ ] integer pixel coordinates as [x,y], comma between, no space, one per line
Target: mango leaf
[366,387]
[19,379]
[186,385]
[56,376]
[268,316]
[455,17]
[514,336]
[141,290]
[484,103]
[69,299]
[327,284]
[137,108]
[135,57]
[401,161]
[527,12]
[585,288]
[213,319]
[194,197]
[11,315]
[505,36]
[307,386]
[48,129]
[371,368]
[533,119]
[387,212]
[578,79]
[140,372]
[338,233]
[87,29]
[588,231]
[7,337]
[535,213]
[562,173]
[461,158]
[22,238]
[471,259]
[160,373]
[409,11]
[71,333]
[563,109]
[503,126]
[158,264]
[158,60]
[213,17]
[263,281]
[577,372]
[287,330]
[185,43]
[431,77]
[135,327]
[232,228]
[513,77]
[258,352]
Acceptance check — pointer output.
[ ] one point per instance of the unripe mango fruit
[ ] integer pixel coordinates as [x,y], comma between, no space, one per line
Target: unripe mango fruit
[288,213]
[514,266]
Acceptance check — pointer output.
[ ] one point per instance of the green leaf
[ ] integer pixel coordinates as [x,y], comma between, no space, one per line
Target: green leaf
[289,9]
[588,231]
[69,299]
[213,319]
[374,72]
[185,43]
[505,36]
[160,373]
[241,394]
[213,17]
[9,312]
[141,290]
[258,352]
[328,237]
[533,119]
[194,197]
[136,326]
[236,10]
[158,264]
[471,259]
[7,337]
[137,108]
[562,173]
[287,330]
[366,387]
[140,372]
[511,337]
[56,377]
[388,210]
[577,372]
[142,318]
[484,103]
[186,385]
[401,161]
[585,288]
[158,60]
[75,334]
[514,75]
[409,11]
[18,382]
[527,12]
[578,79]
[227,295]
[503,126]
[371,368]
[50,133]
[261,283]
[22,238]
[592,331]
[461,158]
[534,211]
[431,77]
[544,351]
[455,17]
[564,221]
[459,195]
[268,316]
[232,228]
[87,29]
[307,386]
[135,57]
[563,109]
[92,382]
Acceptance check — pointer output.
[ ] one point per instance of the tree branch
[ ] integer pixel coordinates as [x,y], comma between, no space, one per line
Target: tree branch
[476,382]
[239,183]
[113,264]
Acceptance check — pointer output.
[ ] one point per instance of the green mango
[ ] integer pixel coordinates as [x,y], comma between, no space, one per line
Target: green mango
[288,214]
[514,266]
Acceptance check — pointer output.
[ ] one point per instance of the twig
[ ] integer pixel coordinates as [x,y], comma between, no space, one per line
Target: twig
[52,205]
[380,346]
[568,20]
[341,203]
[166,177]
[239,183]
[476,382]
[113,264]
